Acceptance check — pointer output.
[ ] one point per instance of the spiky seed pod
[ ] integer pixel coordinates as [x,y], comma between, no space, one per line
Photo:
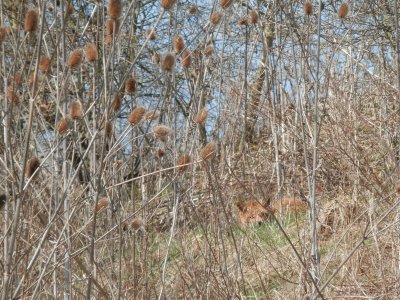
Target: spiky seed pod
[16,80]
[152,115]
[63,125]
[160,153]
[156,58]
[31,20]
[137,224]
[193,9]
[76,110]
[161,132]
[209,50]
[225,3]
[44,64]
[75,59]
[253,17]
[3,34]
[114,9]
[183,162]
[179,44]
[91,52]
[116,104]
[215,17]
[168,62]
[112,28]
[208,151]
[136,115]
[102,204]
[167,4]
[108,129]
[151,34]
[242,21]
[343,10]
[31,166]
[12,95]
[130,86]
[201,117]
[186,58]
[69,10]
[308,9]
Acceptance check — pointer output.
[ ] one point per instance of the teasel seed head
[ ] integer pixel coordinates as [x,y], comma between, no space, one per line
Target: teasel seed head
[151,34]
[193,9]
[167,4]
[102,204]
[183,162]
[63,125]
[31,166]
[108,129]
[215,17]
[161,132]
[253,17]
[114,9]
[75,59]
[201,117]
[12,95]
[136,115]
[208,151]
[44,64]
[168,62]
[225,3]
[116,104]
[308,9]
[76,110]
[130,86]
[179,44]
[31,20]
[209,50]
[137,224]
[91,52]
[343,11]
[186,58]
[152,115]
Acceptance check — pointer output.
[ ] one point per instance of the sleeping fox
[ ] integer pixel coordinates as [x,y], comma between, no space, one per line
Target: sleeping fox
[252,212]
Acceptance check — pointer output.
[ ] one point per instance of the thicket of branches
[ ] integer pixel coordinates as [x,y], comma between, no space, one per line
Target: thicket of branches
[130,130]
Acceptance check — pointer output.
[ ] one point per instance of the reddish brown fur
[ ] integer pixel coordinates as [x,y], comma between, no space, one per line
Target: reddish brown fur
[253,212]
